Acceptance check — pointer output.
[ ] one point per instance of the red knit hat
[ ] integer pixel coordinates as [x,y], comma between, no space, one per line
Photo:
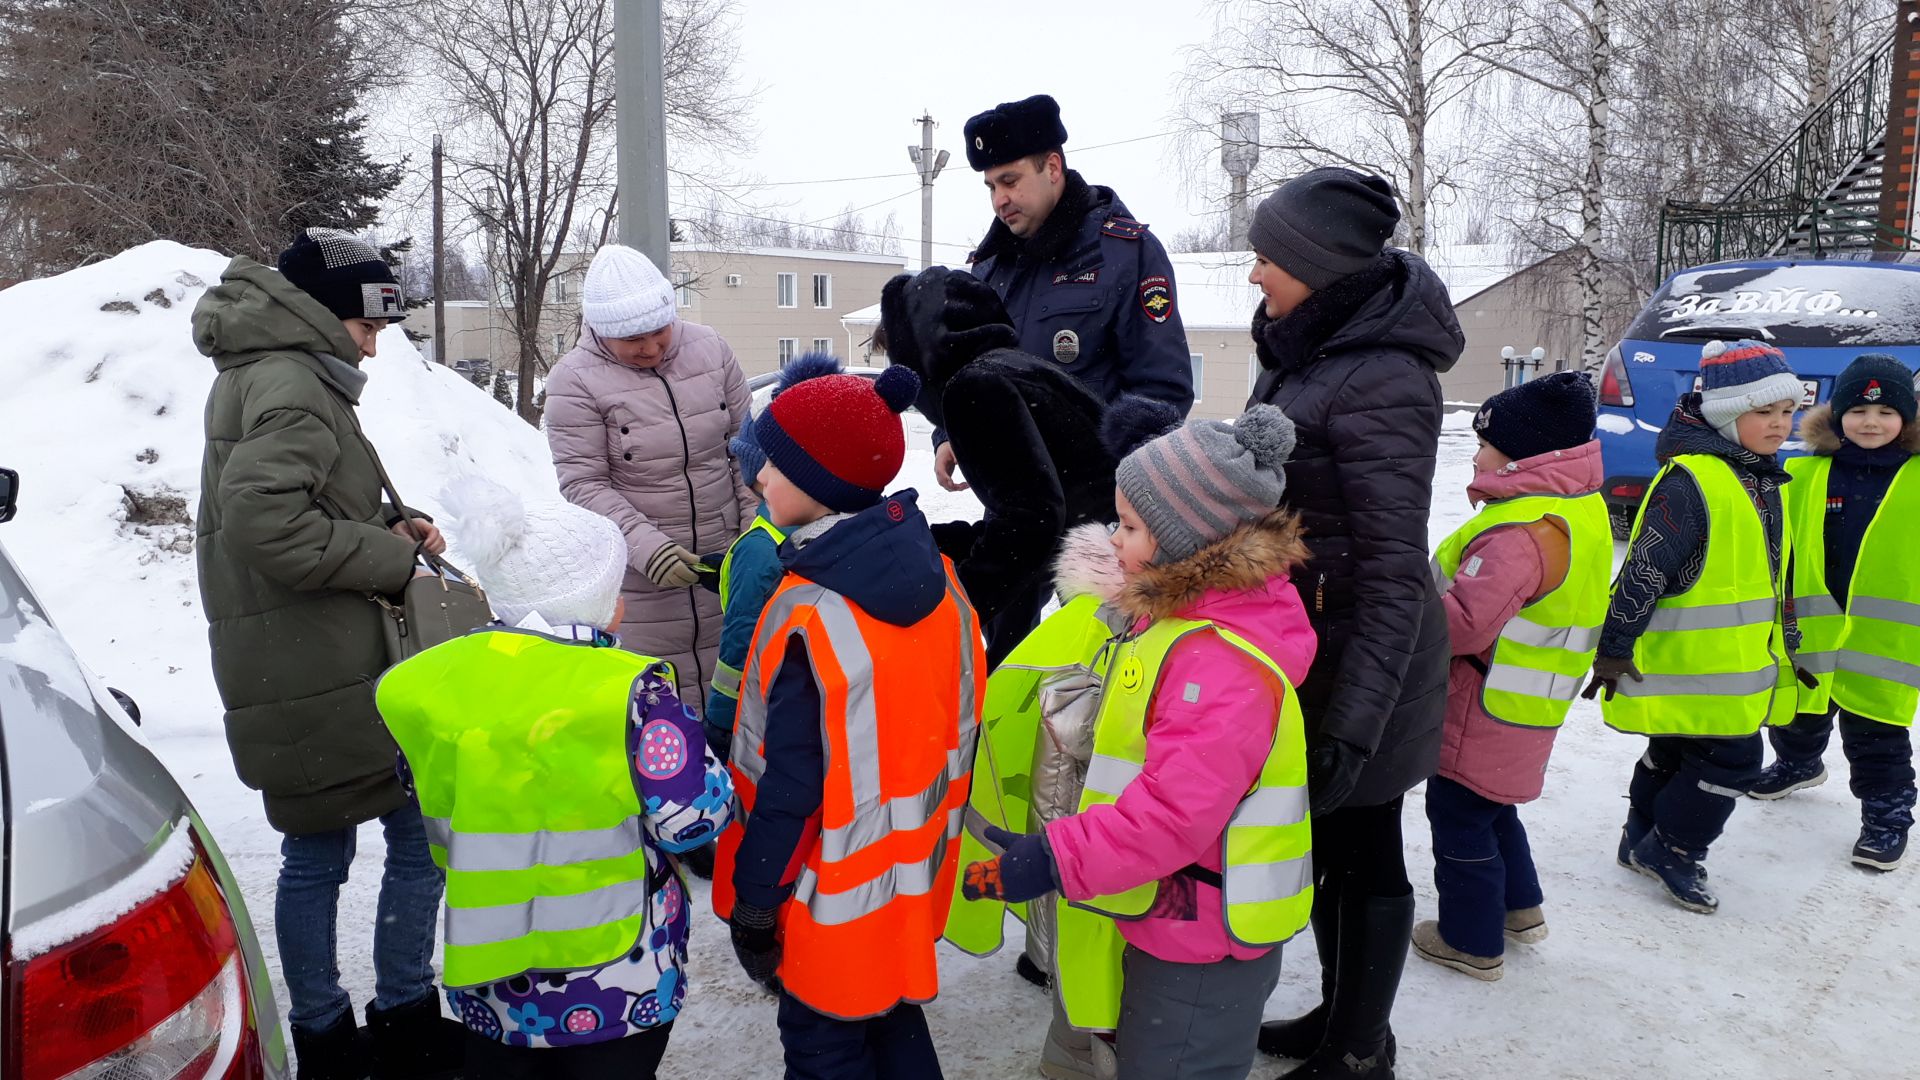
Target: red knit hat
[839,437]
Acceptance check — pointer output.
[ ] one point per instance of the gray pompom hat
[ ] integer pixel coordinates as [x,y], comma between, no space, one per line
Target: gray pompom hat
[1196,484]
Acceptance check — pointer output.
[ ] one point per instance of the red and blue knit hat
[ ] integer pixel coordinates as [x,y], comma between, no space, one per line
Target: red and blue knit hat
[1741,377]
[839,437]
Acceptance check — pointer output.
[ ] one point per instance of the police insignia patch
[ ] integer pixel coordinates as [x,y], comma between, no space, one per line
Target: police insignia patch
[1066,346]
[1156,298]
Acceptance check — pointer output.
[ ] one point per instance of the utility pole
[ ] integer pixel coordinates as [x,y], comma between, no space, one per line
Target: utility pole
[439,260]
[640,126]
[1239,153]
[929,165]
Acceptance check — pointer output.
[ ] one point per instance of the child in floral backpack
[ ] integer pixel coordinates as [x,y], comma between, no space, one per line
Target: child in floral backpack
[557,773]
[1526,590]
[1854,506]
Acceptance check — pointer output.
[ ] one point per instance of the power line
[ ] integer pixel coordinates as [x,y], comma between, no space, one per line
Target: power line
[851,232]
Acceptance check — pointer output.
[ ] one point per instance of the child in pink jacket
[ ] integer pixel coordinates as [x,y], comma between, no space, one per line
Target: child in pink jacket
[1201,538]
[1536,439]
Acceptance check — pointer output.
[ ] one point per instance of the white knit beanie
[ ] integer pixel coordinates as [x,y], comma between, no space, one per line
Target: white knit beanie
[625,294]
[564,562]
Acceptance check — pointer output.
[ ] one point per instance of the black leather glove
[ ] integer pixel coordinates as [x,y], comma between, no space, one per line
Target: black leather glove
[1333,770]
[711,581]
[1607,672]
[1806,677]
[756,942]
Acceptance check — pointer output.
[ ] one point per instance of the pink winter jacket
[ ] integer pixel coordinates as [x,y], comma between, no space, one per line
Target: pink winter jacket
[647,448]
[1204,750]
[1502,762]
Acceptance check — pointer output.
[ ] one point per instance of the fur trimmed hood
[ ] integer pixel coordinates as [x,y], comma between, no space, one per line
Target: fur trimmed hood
[1247,558]
[1821,433]
[1087,566]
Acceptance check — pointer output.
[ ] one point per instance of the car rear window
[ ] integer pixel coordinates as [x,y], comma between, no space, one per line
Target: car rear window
[1822,306]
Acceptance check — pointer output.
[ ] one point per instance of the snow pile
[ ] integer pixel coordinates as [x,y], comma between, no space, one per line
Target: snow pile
[103,419]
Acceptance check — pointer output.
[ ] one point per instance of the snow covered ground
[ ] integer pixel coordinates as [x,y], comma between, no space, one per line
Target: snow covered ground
[1808,969]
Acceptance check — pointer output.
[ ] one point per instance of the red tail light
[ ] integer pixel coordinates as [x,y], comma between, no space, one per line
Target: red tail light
[1615,389]
[159,994]
[1628,491]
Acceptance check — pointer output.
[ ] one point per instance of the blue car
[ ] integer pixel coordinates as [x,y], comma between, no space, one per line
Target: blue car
[1820,313]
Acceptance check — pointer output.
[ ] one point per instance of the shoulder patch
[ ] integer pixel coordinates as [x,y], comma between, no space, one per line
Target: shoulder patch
[1156,298]
[1125,228]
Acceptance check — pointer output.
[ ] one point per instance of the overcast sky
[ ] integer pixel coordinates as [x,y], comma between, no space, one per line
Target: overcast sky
[842,82]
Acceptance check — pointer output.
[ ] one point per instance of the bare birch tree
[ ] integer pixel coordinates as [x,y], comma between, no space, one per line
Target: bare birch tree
[1348,82]
[531,86]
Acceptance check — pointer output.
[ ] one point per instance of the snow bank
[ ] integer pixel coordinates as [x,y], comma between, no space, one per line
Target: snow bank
[102,416]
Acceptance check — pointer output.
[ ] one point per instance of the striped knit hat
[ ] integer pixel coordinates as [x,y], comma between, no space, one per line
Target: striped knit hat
[1196,484]
[1741,377]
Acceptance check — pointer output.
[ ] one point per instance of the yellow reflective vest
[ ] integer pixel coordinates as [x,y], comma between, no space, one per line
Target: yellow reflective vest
[1545,650]
[1713,659]
[1866,656]
[518,748]
[726,677]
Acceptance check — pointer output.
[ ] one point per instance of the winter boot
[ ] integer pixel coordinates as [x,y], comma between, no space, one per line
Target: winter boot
[1301,1036]
[1067,1054]
[1030,971]
[1431,946]
[1679,872]
[1528,926]
[333,1053]
[1880,848]
[699,862]
[414,1042]
[1637,826]
[1375,933]
[1783,778]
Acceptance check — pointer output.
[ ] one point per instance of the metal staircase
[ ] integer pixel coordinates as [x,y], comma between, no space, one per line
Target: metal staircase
[1815,195]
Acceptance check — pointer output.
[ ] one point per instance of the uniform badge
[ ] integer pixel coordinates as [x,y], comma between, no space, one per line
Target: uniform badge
[1156,298]
[1066,346]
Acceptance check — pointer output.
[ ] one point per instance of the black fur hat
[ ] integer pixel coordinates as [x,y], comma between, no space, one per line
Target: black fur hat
[1134,421]
[1012,130]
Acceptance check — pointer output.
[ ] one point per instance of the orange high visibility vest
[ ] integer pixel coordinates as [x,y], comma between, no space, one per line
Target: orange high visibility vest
[901,708]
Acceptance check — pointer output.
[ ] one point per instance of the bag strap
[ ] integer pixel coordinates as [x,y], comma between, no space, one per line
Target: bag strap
[438,565]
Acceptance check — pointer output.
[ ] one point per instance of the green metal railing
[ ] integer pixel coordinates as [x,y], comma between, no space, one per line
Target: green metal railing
[1789,191]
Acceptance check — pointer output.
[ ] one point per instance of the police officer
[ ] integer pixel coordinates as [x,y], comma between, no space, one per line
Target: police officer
[1086,284]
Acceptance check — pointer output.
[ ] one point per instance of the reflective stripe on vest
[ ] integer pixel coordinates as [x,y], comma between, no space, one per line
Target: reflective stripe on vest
[518,748]
[760,525]
[1544,651]
[1068,643]
[1864,654]
[1713,659]
[899,720]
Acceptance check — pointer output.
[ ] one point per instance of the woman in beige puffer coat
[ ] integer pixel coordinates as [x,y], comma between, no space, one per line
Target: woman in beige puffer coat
[638,418]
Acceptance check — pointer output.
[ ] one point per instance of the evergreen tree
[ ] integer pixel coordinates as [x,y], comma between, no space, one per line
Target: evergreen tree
[216,124]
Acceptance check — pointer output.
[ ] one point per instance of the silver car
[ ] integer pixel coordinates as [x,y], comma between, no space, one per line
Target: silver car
[128,950]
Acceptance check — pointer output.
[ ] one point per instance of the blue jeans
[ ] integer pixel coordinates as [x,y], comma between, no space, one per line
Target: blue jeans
[306,907]
[1482,866]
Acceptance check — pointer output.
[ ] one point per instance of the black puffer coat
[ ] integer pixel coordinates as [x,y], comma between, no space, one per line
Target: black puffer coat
[1356,369]
[1025,433]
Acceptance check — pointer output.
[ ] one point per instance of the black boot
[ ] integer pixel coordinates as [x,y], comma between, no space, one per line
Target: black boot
[1375,932]
[1301,1036]
[335,1053]
[414,1042]
[699,862]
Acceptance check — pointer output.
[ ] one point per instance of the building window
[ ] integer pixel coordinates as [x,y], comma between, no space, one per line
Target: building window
[1199,362]
[789,347]
[560,288]
[789,283]
[683,292]
[823,345]
[823,290]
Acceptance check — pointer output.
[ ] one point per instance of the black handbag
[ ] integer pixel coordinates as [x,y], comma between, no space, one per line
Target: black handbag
[431,608]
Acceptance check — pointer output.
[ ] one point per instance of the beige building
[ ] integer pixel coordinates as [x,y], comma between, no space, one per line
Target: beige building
[770,304]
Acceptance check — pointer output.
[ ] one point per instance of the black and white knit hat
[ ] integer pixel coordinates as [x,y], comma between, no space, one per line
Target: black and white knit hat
[345,274]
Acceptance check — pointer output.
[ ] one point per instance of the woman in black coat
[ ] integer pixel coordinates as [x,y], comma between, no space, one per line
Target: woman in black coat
[1351,339]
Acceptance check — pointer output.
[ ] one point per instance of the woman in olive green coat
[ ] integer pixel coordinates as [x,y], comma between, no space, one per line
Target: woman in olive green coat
[293,539]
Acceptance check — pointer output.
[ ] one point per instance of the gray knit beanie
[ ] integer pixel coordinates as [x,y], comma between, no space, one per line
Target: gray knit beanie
[1325,225]
[1196,484]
